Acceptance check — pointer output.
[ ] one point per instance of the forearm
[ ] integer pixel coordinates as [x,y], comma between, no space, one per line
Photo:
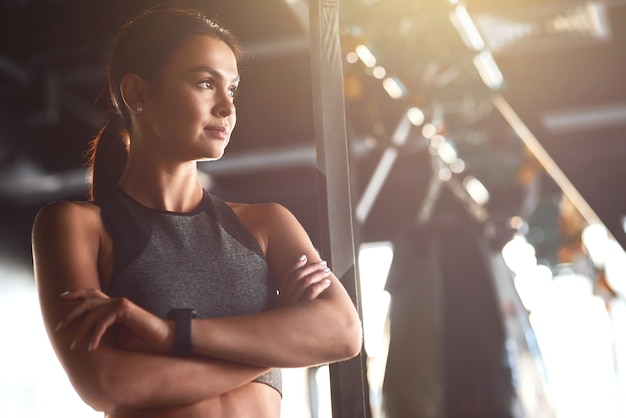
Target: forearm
[316,322]
[111,379]
[113,375]
[305,334]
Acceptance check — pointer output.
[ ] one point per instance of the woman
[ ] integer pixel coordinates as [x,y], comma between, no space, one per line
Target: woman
[118,276]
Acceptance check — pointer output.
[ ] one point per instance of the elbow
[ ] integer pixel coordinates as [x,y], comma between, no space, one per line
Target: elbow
[95,396]
[351,337]
[102,391]
[354,340]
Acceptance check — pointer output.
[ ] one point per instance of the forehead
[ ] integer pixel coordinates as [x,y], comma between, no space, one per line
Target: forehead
[205,52]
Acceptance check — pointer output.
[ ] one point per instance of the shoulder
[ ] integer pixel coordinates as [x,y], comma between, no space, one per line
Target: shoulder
[268,222]
[66,217]
[67,212]
[260,212]
[265,218]
[67,238]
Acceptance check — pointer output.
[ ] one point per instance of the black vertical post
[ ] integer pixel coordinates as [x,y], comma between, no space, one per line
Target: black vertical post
[348,378]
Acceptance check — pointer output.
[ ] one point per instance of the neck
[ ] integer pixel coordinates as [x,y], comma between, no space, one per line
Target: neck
[175,188]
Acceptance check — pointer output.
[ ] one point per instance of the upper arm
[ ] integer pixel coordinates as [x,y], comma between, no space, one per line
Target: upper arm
[280,235]
[287,240]
[65,254]
[65,242]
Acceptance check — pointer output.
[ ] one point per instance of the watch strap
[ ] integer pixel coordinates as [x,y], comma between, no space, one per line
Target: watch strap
[183,346]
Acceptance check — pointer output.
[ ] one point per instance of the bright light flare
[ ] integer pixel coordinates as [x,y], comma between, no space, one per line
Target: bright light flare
[532,285]
[447,152]
[573,330]
[595,238]
[416,116]
[437,141]
[394,88]
[365,55]
[445,174]
[352,57]
[488,70]
[466,28]
[615,267]
[429,130]
[458,166]
[374,262]
[476,190]
[519,255]
[379,72]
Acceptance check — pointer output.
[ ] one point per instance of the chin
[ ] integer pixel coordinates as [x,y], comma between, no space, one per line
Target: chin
[211,158]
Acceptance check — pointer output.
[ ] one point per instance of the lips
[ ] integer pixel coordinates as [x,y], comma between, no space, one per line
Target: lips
[217,131]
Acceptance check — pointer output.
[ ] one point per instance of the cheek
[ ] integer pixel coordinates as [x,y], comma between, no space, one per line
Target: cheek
[174,100]
[183,115]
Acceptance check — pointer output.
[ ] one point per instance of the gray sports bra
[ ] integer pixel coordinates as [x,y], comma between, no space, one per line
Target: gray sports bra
[206,260]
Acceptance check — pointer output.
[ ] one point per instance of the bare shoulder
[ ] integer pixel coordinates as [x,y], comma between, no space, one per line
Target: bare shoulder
[70,248]
[63,209]
[64,215]
[268,222]
[266,219]
[281,235]
[68,228]
[260,213]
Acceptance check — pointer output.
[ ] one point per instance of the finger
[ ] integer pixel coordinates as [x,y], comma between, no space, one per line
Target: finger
[313,291]
[87,299]
[115,311]
[88,322]
[71,317]
[99,329]
[296,265]
[297,289]
[82,330]
[304,271]
[75,313]
[75,294]
[93,324]
[317,279]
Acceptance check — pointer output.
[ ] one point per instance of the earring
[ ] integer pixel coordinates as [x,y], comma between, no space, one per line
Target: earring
[139,109]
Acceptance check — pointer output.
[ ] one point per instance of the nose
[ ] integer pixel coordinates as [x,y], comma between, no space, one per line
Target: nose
[224,106]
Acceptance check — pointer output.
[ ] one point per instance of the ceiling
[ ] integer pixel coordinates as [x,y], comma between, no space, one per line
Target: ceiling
[558,121]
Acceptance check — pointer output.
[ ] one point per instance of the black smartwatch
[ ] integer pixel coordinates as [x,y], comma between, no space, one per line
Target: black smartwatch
[182,330]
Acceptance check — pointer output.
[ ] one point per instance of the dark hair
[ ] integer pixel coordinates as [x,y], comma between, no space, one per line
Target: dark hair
[142,46]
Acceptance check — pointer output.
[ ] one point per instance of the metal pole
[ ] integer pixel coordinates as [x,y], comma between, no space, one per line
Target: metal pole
[348,378]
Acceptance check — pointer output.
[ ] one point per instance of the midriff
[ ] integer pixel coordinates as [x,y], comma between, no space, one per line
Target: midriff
[254,400]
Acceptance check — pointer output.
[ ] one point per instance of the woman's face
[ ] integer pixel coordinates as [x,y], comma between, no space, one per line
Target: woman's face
[189,108]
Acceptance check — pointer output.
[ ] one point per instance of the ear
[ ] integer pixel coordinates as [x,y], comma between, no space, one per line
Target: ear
[133,89]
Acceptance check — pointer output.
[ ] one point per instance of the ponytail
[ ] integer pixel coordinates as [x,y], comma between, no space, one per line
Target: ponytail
[108,153]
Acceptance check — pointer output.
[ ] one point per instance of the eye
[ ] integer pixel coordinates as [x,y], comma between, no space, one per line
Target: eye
[233,91]
[207,84]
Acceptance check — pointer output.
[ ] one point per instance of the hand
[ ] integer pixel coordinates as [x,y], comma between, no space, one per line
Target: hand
[95,313]
[305,281]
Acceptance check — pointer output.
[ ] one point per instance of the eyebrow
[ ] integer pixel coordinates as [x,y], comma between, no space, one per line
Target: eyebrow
[215,73]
